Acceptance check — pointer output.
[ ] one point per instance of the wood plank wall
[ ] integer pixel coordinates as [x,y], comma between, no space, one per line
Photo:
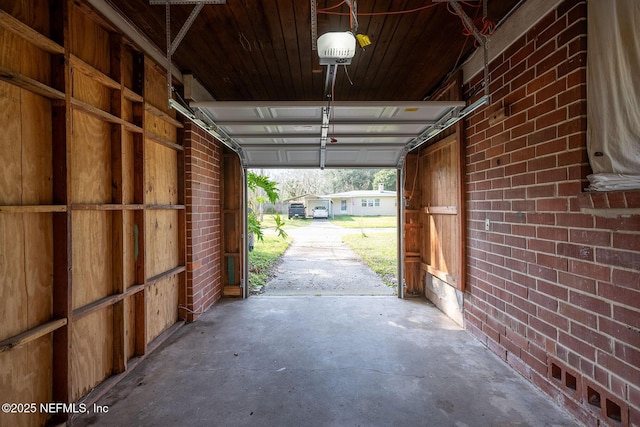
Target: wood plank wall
[92,215]
[434,217]
[232,226]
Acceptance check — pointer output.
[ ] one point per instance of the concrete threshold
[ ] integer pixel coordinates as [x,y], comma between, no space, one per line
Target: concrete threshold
[324,361]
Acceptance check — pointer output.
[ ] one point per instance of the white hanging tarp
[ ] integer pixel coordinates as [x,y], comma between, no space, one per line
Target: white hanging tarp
[613,94]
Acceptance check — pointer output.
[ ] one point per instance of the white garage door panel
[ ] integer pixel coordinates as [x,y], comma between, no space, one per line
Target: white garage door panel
[353,134]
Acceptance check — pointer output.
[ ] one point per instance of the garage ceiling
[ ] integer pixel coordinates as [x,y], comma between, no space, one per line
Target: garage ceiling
[261,52]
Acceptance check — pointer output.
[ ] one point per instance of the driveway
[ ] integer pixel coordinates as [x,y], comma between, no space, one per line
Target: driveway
[318,263]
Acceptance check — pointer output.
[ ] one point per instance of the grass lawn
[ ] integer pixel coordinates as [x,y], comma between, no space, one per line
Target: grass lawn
[349,221]
[378,251]
[263,258]
[269,223]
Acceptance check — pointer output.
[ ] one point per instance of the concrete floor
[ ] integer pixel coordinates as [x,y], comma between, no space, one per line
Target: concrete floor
[325,361]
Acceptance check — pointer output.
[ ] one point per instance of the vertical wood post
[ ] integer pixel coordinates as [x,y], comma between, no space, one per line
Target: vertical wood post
[62,265]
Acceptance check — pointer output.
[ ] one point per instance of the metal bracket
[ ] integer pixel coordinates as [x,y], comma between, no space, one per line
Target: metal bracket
[332,71]
[173,45]
[482,40]
[450,118]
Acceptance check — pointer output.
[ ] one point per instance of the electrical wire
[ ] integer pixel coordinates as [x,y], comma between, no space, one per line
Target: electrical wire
[326,11]
[333,7]
[486,26]
[415,177]
[189,310]
[346,71]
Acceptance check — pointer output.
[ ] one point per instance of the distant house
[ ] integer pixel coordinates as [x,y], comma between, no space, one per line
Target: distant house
[363,202]
[357,203]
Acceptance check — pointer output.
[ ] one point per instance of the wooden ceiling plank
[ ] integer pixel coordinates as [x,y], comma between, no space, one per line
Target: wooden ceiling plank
[410,54]
[258,35]
[289,25]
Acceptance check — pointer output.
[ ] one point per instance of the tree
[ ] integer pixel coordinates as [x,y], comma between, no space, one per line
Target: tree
[353,179]
[386,177]
[255,183]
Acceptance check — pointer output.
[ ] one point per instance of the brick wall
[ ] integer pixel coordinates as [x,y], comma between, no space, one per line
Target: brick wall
[203,157]
[553,287]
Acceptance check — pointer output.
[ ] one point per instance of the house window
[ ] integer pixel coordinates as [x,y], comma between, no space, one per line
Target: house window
[343,205]
[369,203]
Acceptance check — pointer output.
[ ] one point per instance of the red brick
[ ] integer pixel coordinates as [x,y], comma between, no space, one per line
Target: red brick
[572,126]
[540,82]
[522,155]
[630,260]
[551,61]
[551,91]
[590,303]
[523,77]
[553,233]
[539,109]
[627,241]
[541,163]
[628,279]
[543,272]
[627,316]
[569,188]
[541,218]
[617,366]
[578,315]
[588,269]
[577,29]
[553,175]
[624,223]
[577,109]
[626,296]
[523,230]
[575,251]
[592,337]
[543,328]
[589,237]
[551,118]
[627,354]
[573,94]
[540,191]
[552,205]
[552,261]
[578,346]
[632,198]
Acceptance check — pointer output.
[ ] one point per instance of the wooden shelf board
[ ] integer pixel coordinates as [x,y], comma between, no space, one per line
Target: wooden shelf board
[166,207]
[161,114]
[132,96]
[31,335]
[103,115]
[105,302]
[176,270]
[33,209]
[162,141]
[20,29]
[29,84]
[92,72]
[105,207]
